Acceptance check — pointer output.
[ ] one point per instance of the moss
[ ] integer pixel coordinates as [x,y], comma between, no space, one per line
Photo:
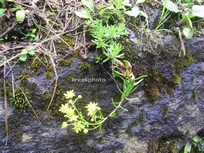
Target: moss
[36,67]
[57,101]
[129,52]
[48,75]
[176,79]
[49,68]
[32,86]
[19,100]
[153,85]
[47,96]
[69,78]
[65,62]
[128,130]
[195,94]
[36,64]
[166,145]
[165,112]
[62,46]
[142,117]
[152,92]
[183,62]
[85,66]
[24,76]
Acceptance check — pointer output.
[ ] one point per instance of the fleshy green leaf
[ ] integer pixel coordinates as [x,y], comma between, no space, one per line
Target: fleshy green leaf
[198,10]
[82,13]
[2,11]
[24,52]
[34,30]
[31,51]
[20,15]
[188,32]
[1,1]
[89,4]
[197,139]
[187,147]
[187,20]
[171,6]
[134,12]
[23,57]
[140,1]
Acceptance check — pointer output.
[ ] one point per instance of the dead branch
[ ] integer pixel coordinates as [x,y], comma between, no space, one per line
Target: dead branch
[5,106]
[56,81]
[9,29]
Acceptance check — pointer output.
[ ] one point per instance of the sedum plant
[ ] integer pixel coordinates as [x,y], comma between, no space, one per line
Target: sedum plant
[94,117]
[76,118]
[105,36]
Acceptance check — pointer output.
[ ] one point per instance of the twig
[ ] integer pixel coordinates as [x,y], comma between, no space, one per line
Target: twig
[10,59]
[56,81]
[5,106]
[183,49]
[9,29]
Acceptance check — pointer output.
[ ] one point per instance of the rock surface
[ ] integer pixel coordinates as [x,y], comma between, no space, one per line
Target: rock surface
[163,126]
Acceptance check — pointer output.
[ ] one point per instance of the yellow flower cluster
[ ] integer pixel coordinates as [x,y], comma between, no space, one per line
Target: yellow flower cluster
[69,94]
[75,118]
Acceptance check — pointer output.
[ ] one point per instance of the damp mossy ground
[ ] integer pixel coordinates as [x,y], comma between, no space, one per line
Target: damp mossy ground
[67,62]
[85,66]
[64,43]
[183,62]
[19,98]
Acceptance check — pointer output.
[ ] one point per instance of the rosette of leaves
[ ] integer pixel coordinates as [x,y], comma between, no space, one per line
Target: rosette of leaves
[26,52]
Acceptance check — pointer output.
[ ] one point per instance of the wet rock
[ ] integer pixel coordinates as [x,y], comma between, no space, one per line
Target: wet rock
[195,47]
[184,119]
[163,126]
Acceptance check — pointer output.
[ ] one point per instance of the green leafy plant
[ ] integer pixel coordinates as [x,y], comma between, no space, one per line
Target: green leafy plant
[105,36]
[165,15]
[188,11]
[116,10]
[26,52]
[18,98]
[31,35]
[195,145]
[94,117]
[2,10]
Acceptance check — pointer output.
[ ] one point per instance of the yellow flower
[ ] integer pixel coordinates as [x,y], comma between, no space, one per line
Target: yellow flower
[69,112]
[64,125]
[64,108]
[78,126]
[73,118]
[92,108]
[69,94]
